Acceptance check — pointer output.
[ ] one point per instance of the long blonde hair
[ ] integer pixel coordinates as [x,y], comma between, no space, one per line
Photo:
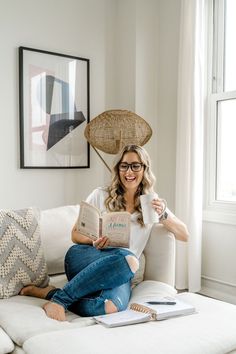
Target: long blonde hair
[115,200]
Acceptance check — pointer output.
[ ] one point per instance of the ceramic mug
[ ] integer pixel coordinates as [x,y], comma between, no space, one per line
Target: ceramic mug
[150,216]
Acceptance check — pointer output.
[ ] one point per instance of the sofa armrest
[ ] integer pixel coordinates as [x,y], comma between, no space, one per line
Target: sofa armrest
[160,256]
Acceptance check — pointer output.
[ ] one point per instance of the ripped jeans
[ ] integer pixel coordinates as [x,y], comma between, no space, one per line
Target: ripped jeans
[94,276]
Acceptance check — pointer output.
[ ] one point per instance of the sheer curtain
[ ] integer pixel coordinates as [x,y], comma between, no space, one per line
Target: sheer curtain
[189,154]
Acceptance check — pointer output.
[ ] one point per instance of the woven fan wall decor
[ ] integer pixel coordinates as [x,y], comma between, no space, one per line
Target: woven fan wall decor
[111,130]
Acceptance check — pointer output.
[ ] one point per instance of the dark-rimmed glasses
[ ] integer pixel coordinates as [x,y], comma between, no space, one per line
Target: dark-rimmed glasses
[135,166]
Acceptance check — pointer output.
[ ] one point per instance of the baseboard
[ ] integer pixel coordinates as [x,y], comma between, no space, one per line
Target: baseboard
[218,289]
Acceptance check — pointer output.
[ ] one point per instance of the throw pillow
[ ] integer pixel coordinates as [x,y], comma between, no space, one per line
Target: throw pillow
[56,225]
[21,256]
[139,275]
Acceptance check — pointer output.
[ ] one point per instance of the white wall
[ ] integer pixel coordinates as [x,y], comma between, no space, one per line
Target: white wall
[75,27]
[168,48]
[142,76]
[218,261]
[131,67]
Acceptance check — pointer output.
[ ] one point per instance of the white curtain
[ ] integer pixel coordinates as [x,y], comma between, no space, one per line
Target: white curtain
[189,159]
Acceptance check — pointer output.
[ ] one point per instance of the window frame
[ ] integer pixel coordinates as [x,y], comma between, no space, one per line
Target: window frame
[215,210]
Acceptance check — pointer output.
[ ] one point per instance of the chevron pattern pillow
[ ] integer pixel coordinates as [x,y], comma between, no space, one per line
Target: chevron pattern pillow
[21,256]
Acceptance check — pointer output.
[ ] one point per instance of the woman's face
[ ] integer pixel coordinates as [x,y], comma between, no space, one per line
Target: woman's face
[131,179]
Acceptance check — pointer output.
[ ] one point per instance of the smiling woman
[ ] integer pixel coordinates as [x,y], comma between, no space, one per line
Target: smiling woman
[131,172]
[99,276]
[131,177]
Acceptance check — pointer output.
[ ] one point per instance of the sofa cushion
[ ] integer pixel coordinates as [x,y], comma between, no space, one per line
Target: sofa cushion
[7,345]
[21,256]
[151,289]
[56,225]
[211,330]
[33,320]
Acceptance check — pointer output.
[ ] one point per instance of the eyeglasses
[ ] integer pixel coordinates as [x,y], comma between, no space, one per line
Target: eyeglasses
[135,166]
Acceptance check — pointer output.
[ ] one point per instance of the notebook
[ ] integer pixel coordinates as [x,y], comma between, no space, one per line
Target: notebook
[139,312]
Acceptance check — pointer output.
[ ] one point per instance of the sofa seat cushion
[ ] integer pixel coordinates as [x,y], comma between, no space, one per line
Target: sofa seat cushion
[18,350]
[211,330]
[33,319]
[22,317]
[6,345]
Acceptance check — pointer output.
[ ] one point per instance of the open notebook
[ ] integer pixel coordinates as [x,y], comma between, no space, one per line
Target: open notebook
[144,311]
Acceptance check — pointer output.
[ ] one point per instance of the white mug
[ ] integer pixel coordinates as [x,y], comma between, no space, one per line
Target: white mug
[150,216]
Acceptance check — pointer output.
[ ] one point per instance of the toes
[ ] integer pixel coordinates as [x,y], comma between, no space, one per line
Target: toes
[55,311]
[26,290]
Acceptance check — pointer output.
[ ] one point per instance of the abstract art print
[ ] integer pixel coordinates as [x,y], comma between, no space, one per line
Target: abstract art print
[54,109]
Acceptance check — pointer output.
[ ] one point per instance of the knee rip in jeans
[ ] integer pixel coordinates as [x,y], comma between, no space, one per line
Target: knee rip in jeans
[110,307]
[133,263]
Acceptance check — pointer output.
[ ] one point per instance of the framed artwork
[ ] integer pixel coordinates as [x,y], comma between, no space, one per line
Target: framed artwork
[54,109]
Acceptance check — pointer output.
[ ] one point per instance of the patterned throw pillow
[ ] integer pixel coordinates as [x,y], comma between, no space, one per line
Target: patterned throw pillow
[21,256]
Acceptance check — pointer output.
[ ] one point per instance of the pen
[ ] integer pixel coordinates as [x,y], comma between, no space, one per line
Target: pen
[161,302]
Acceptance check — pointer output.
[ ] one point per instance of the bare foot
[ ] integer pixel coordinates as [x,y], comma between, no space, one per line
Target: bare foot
[55,311]
[32,290]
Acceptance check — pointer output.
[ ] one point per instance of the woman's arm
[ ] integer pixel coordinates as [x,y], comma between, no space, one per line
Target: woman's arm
[175,225]
[172,223]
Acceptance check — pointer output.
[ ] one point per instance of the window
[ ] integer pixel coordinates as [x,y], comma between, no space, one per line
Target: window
[229,44]
[226,150]
[221,114]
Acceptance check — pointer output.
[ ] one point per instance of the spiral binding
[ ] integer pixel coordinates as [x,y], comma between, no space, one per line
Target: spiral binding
[144,309]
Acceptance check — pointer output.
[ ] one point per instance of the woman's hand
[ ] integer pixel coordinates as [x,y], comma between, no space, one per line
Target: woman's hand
[77,237]
[158,206]
[101,242]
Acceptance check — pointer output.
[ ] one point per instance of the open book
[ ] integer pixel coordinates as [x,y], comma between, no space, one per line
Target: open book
[144,311]
[115,225]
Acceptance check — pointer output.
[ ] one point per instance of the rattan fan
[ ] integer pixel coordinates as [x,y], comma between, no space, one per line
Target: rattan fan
[112,130]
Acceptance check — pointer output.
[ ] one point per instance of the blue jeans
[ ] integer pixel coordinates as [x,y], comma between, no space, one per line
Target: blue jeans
[94,276]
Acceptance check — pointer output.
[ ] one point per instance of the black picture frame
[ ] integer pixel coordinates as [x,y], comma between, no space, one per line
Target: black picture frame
[54,109]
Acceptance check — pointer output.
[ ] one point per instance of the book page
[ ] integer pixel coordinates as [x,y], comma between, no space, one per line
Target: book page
[88,220]
[122,318]
[116,226]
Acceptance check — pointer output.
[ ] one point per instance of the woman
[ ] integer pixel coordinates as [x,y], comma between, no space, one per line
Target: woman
[99,276]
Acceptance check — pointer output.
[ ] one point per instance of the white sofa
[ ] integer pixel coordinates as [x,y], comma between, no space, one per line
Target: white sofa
[24,327]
